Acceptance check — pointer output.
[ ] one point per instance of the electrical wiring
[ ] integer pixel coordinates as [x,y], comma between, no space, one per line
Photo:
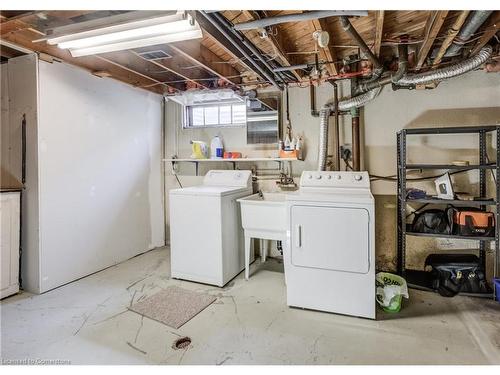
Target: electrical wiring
[178,181]
[393,178]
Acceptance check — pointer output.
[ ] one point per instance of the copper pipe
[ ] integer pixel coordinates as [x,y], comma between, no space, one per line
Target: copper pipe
[355,143]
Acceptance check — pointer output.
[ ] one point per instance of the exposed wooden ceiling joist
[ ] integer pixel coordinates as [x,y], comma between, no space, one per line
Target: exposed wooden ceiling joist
[8,52]
[452,33]
[178,66]
[199,54]
[432,27]
[133,63]
[91,63]
[491,27]
[275,41]
[221,40]
[379,31]
[213,58]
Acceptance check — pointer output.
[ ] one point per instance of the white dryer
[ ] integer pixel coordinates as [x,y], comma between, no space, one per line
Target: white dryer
[206,236]
[330,252]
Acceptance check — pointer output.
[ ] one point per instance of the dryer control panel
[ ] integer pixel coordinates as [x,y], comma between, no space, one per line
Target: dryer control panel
[335,179]
[228,178]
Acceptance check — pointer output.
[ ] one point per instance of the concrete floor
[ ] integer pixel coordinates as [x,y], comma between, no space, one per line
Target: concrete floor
[87,322]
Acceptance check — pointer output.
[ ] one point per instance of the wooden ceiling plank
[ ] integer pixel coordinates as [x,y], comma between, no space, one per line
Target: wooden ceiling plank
[133,71]
[202,56]
[432,27]
[452,33]
[173,68]
[89,63]
[491,27]
[276,43]
[327,53]
[379,30]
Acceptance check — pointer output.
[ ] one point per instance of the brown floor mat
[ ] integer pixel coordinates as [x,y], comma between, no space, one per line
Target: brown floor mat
[173,306]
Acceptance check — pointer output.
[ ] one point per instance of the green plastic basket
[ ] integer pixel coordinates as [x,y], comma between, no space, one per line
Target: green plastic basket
[385,278]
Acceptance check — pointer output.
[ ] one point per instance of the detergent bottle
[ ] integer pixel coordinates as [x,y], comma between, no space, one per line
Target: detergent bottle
[200,150]
[216,148]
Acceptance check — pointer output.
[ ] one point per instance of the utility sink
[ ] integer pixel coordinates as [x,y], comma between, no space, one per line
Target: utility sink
[263,212]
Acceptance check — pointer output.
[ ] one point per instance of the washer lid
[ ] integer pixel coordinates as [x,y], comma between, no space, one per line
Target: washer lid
[214,191]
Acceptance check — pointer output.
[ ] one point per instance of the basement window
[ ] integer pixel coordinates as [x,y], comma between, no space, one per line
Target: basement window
[215,115]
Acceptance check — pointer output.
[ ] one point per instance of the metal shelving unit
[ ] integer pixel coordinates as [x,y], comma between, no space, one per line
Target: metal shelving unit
[419,279]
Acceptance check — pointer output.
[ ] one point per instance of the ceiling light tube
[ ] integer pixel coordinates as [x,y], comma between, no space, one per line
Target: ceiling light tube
[137,43]
[159,30]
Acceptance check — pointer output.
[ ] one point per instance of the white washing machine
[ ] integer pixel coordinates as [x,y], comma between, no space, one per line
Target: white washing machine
[330,252]
[206,236]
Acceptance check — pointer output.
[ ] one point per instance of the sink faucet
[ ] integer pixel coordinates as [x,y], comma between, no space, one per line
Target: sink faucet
[286,182]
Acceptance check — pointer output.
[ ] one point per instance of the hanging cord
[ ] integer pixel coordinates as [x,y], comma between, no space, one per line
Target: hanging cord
[393,178]
[178,181]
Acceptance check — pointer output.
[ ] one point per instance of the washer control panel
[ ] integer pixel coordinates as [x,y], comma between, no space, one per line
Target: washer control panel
[335,179]
[237,178]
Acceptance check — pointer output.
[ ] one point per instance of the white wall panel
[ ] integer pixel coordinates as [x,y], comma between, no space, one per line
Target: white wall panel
[100,173]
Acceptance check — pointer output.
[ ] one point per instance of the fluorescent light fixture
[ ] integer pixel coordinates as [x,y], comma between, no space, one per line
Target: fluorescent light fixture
[133,34]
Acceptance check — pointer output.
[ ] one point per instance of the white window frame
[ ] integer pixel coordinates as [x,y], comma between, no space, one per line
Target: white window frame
[187,123]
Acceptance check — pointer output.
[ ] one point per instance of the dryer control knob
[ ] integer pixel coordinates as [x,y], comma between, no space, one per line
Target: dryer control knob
[358,177]
[338,177]
[318,177]
[309,176]
[329,177]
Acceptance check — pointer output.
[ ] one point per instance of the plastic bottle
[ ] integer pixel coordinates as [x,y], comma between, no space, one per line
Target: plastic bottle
[298,144]
[287,143]
[216,148]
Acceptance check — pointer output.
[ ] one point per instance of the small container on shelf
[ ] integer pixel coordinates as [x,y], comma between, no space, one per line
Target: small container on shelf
[296,154]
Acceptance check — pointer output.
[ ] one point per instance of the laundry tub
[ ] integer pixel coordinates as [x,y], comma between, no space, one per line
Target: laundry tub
[263,216]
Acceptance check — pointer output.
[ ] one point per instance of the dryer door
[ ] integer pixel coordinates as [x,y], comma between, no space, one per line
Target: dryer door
[332,238]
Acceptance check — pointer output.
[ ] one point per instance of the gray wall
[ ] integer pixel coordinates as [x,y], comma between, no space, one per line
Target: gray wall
[473,99]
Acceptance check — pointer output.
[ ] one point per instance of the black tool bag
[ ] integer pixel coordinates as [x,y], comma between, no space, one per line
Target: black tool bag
[457,273]
[433,221]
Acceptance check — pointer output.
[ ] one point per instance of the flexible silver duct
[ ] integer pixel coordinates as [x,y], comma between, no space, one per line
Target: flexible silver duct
[324,114]
[450,71]
[360,100]
[408,80]
[473,22]
[393,78]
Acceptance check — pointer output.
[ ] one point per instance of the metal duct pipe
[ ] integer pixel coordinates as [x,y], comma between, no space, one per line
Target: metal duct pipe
[336,134]
[291,67]
[473,22]
[450,71]
[307,16]
[351,31]
[393,78]
[247,44]
[324,114]
[261,71]
[359,101]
